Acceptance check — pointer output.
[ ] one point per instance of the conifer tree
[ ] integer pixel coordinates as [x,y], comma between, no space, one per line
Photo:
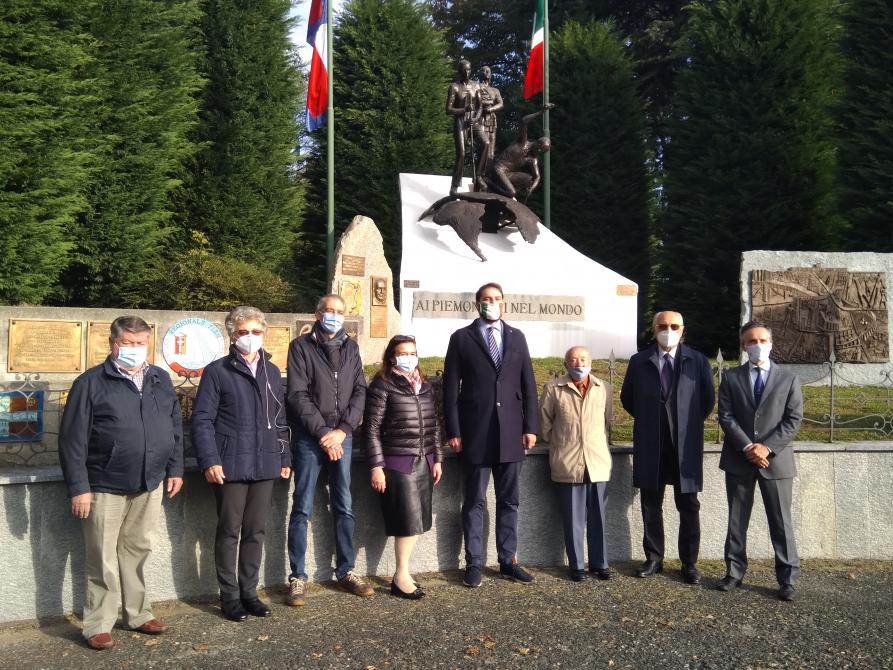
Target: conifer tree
[751,161]
[243,194]
[866,126]
[391,77]
[600,196]
[45,154]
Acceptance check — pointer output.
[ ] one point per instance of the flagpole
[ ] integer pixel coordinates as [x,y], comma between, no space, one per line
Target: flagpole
[330,152]
[547,162]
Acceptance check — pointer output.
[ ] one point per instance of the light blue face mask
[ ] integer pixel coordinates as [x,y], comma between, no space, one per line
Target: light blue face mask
[332,323]
[406,363]
[579,373]
[131,357]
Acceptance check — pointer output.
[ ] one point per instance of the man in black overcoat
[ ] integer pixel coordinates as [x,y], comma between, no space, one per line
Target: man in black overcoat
[491,417]
[668,389]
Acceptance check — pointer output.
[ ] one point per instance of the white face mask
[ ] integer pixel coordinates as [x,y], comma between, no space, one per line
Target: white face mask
[250,343]
[491,311]
[131,357]
[758,352]
[579,373]
[406,363]
[669,338]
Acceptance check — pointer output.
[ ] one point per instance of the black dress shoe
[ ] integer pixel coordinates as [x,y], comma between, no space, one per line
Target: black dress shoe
[649,568]
[577,575]
[233,610]
[786,592]
[690,574]
[412,595]
[728,583]
[603,574]
[255,607]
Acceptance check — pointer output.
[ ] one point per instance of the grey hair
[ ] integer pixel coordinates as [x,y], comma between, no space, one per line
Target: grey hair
[321,305]
[243,313]
[130,324]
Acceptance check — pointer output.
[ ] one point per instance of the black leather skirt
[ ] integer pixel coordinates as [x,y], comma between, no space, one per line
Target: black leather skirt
[406,501]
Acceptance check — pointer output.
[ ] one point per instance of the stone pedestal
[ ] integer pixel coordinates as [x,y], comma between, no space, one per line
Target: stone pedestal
[364,279]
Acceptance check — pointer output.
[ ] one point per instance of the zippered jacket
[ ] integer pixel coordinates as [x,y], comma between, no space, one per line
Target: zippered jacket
[320,399]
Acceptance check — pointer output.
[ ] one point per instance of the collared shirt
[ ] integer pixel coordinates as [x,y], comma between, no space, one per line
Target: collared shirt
[581,384]
[497,333]
[252,365]
[764,371]
[136,377]
[660,357]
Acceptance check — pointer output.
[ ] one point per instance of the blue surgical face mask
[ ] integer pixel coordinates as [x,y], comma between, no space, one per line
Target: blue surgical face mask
[406,363]
[579,373]
[131,357]
[332,323]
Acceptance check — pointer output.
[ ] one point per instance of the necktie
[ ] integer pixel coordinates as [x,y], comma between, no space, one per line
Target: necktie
[666,376]
[494,348]
[758,386]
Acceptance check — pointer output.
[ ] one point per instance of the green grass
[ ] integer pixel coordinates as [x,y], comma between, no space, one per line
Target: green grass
[861,412]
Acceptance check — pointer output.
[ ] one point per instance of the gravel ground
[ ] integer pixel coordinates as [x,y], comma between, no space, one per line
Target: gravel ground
[840,619]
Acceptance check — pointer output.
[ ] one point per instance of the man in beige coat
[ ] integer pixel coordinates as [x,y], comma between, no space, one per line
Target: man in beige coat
[574,410]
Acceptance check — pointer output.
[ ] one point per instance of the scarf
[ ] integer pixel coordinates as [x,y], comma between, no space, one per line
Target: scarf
[330,346]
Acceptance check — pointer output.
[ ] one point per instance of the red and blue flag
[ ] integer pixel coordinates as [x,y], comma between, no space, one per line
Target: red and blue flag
[318,84]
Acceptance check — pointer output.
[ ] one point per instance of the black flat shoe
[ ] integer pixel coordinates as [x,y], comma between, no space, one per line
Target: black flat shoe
[577,575]
[413,595]
[728,583]
[690,575]
[233,610]
[603,574]
[255,607]
[649,568]
[786,592]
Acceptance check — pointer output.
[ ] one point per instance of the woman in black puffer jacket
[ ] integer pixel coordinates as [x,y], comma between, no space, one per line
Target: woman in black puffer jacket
[404,452]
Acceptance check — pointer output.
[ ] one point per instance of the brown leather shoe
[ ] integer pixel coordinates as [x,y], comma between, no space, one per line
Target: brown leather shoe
[101,641]
[353,584]
[153,627]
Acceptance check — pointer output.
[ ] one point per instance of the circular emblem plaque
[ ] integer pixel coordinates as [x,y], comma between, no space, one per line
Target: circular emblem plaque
[190,344]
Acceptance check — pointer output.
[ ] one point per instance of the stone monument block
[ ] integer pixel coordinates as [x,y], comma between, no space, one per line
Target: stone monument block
[365,281]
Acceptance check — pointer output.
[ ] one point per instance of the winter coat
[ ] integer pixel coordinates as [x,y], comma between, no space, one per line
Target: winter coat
[574,427]
[114,439]
[238,420]
[398,422]
[320,399]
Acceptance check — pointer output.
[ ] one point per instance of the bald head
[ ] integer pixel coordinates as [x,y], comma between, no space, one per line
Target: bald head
[577,357]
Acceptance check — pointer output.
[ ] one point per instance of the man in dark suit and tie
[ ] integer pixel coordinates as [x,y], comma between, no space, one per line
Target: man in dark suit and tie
[668,389]
[491,416]
[760,410]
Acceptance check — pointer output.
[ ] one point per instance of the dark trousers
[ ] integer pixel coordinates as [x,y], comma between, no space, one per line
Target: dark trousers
[505,482]
[583,509]
[242,509]
[776,495]
[689,524]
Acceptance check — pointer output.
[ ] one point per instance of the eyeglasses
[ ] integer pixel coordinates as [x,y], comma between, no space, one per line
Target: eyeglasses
[243,333]
[403,338]
[668,326]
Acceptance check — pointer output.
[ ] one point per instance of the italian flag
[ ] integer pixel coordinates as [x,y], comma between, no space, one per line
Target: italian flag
[533,80]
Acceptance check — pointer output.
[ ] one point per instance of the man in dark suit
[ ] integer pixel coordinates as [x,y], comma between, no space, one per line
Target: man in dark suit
[491,416]
[668,389]
[760,410]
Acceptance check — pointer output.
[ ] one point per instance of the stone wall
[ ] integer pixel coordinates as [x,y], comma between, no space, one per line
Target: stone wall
[841,510]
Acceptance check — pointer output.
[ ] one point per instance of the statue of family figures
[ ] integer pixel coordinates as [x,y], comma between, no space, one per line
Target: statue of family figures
[473,106]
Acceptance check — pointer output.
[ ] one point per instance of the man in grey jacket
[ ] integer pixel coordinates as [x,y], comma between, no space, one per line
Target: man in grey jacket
[121,434]
[760,410]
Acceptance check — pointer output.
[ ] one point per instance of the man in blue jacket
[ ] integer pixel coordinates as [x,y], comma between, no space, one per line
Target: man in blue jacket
[668,390]
[121,434]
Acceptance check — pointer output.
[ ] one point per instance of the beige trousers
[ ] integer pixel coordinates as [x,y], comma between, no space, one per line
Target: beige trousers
[118,537]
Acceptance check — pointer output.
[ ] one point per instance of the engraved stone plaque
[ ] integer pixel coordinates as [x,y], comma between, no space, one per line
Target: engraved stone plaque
[411,283]
[378,326]
[98,342]
[353,265]
[44,346]
[627,289]
[431,304]
[813,311]
[276,343]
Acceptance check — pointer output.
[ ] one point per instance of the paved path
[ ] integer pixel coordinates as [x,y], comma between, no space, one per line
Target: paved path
[842,618]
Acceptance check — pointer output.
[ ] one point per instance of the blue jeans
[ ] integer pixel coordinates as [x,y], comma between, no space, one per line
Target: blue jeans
[308,459]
